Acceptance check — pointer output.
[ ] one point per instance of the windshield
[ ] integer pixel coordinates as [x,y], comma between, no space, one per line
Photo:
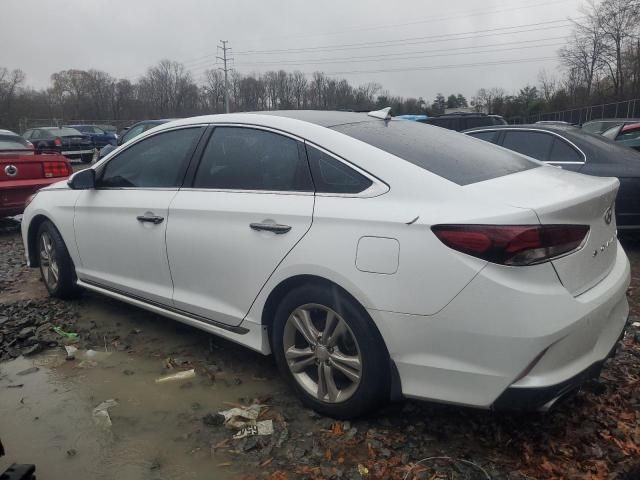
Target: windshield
[13,142]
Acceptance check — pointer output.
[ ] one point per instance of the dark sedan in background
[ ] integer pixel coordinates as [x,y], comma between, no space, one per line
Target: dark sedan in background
[574,149]
[99,136]
[133,131]
[68,141]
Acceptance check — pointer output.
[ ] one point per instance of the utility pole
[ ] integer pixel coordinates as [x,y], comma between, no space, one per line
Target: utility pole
[225,69]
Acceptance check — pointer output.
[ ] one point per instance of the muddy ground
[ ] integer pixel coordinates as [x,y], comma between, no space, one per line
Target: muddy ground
[172,431]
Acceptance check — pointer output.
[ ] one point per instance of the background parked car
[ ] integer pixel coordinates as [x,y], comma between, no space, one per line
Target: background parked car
[131,132]
[601,126]
[23,172]
[574,149]
[461,121]
[68,141]
[627,134]
[100,137]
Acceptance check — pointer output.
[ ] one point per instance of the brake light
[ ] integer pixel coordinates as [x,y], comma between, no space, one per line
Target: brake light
[515,245]
[56,169]
[57,142]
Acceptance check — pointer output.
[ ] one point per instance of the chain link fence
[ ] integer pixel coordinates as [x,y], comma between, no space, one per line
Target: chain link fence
[26,123]
[580,115]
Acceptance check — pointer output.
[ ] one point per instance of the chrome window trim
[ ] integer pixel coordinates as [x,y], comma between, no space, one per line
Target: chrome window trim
[377,187]
[575,147]
[100,168]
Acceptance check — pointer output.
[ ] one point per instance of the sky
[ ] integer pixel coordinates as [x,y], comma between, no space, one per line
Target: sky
[413,48]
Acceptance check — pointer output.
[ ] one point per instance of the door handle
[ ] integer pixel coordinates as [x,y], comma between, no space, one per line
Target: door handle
[155,219]
[271,227]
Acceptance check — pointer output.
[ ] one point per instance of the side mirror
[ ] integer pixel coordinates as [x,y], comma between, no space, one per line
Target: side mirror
[83,180]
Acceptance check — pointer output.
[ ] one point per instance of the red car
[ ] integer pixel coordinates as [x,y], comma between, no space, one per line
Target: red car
[23,172]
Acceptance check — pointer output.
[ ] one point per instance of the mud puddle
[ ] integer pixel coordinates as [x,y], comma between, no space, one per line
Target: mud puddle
[156,429]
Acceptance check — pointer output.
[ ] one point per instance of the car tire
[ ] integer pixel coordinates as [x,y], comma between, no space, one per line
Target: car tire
[348,345]
[56,267]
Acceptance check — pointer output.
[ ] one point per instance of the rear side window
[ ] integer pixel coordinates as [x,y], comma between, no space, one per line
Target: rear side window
[332,176]
[487,136]
[533,144]
[474,122]
[443,122]
[250,159]
[450,155]
[155,162]
[561,151]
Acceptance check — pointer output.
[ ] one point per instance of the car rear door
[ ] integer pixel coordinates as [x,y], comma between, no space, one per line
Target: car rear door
[120,225]
[250,201]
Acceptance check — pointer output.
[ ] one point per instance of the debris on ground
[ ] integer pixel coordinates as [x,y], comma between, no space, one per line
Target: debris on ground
[28,371]
[101,413]
[62,333]
[263,427]
[183,375]
[241,417]
[71,352]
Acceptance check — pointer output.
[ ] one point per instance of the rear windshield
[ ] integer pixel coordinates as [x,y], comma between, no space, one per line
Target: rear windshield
[64,132]
[12,142]
[451,155]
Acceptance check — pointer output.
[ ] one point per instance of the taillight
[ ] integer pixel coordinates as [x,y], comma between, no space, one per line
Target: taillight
[515,245]
[57,142]
[56,169]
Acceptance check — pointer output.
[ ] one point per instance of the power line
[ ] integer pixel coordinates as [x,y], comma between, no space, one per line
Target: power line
[421,39]
[409,57]
[443,67]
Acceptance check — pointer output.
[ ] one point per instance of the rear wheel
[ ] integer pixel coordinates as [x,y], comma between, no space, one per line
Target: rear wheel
[56,267]
[326,345]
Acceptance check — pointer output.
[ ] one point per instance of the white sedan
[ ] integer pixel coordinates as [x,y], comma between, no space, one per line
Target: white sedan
[374,258]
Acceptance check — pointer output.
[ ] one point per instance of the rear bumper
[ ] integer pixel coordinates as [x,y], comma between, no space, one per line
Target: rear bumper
[14,194]
[542,398]
[509,330]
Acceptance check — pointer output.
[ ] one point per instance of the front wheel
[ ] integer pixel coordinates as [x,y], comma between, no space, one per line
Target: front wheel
[56,266]
[328,348]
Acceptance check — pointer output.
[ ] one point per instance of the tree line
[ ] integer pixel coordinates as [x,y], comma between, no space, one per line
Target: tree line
[600,63]
[168,90]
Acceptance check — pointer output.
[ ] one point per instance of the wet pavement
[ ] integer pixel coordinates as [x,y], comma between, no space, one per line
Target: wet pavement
[171,431]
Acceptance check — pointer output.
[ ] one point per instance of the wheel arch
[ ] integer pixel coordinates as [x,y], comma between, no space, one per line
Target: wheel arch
[285,286]
[32,238]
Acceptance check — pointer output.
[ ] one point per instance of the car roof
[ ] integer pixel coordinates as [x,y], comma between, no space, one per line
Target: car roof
[324,118]
[621,120]
[529,126]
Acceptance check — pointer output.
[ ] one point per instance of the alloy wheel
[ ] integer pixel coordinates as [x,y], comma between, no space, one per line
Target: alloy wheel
[322,353]
[48,261]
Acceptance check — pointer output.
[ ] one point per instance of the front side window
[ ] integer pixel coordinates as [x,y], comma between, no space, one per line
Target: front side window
[332,176]
[533,144]
[249,159]
[563,152]
[155,162]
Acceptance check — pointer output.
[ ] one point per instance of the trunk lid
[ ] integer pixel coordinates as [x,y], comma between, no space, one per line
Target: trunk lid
[20,166]
[562,197]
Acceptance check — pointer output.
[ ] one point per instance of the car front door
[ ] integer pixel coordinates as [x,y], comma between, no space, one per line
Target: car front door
[249,202]
[120,225]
